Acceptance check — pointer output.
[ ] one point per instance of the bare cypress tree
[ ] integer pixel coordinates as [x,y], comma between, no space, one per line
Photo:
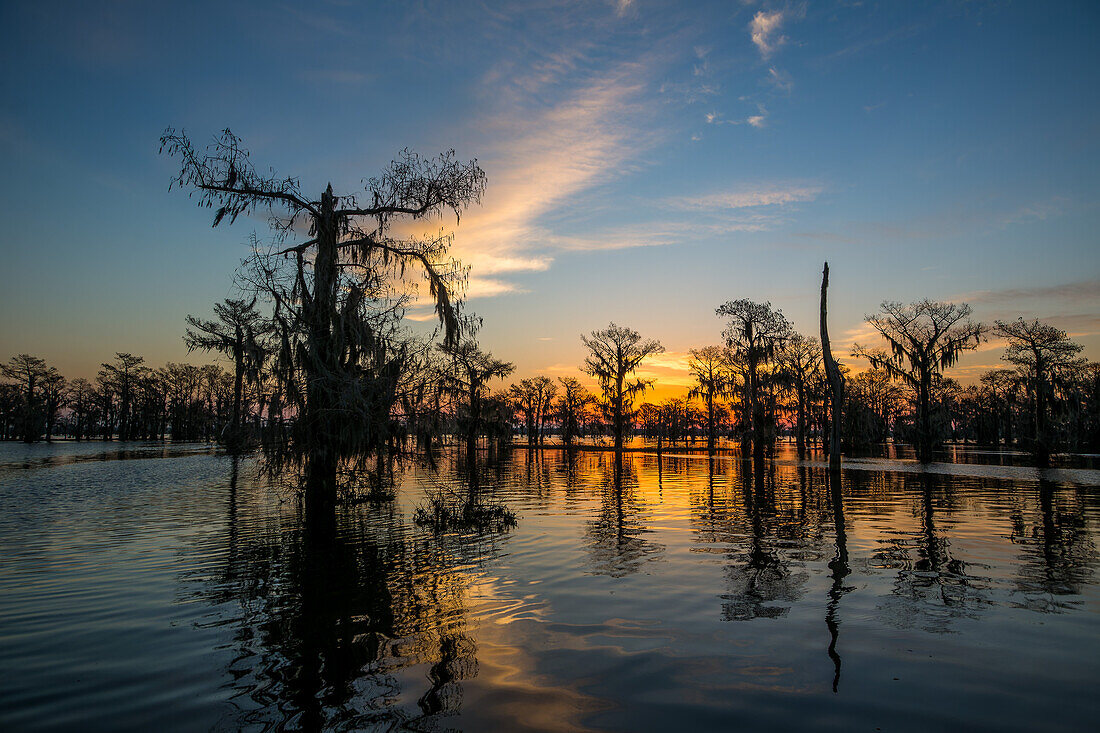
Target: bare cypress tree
[615,353]
[340,279]
[924,338]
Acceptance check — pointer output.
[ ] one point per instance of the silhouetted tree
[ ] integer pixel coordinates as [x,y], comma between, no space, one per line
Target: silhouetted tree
[871,399]
[714,382]
[471,371]
[238,334]
[532,398]
[82,405]
[925,338]
[121,377]
[53,398]
[571,408]
[338,281]
[999,387]
[1038,349]
[615,353]
[755,331]
[798,358]
[29,373]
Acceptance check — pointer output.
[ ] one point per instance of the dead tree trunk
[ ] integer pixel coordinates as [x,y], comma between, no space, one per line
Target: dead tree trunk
[836,381]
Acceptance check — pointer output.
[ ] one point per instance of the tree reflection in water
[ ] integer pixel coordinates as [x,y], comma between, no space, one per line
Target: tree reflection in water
[1059,552]
[932,588]
[374,628]
[761,583]
[616,540]
[327,623]
[839,570]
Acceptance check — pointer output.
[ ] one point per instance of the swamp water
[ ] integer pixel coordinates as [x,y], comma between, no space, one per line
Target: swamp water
[154,588]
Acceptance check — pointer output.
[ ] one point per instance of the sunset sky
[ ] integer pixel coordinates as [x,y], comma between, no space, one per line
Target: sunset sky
[647,161]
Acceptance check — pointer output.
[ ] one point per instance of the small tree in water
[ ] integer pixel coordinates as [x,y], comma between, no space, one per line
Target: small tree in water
[337,294]
[924,338]
[238,334]
[614,354]
[1038,349]
[715,381]
[571,408]
[467,381]
[755,332]
[799,359]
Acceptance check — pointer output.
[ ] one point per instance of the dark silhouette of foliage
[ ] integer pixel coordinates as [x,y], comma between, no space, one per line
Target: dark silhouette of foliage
[924,338]
[755,332]
[715,381]
[238,334]
[335,296]
[1039,351]
[572,408]
[615,353]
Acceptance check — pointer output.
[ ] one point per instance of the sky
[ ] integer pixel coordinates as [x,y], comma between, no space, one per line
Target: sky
[647,161]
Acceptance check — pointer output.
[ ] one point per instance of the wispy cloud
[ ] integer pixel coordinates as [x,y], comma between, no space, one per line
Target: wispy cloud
[780,79]
[486,287]
[764,29]
[748,197]
[758,120]
[1082,291]
[586,137]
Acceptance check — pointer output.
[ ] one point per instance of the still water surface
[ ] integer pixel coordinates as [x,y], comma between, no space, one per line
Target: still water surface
[168,588]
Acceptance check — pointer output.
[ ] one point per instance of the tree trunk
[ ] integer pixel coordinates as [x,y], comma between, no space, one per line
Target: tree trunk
[238,389]
[711,438]
[321,456]
[924,408]
[617,421]
[1041,448]
[800,428]
[756,418]
[836,381]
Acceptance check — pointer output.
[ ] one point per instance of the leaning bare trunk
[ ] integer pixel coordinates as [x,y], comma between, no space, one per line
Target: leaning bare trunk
[836,381]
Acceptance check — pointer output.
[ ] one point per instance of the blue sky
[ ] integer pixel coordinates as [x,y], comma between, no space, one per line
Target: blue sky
[647,161]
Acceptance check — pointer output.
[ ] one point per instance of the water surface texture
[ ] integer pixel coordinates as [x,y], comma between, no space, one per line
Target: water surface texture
[153,588]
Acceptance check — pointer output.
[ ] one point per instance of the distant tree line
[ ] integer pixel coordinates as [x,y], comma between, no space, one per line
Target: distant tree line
[767,382]
[127,400]
[764,384]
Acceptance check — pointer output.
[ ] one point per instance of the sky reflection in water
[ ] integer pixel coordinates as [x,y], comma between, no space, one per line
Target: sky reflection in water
[172,591]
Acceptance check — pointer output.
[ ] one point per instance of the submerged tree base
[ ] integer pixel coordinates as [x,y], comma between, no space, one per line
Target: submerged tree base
[447,511]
